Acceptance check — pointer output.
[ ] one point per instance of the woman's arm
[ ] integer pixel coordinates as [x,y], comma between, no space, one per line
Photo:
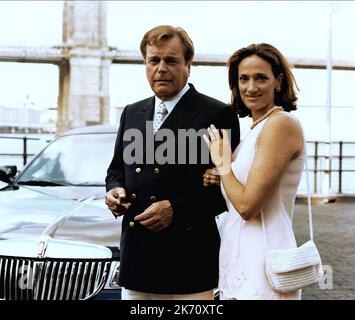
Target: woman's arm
[279,142]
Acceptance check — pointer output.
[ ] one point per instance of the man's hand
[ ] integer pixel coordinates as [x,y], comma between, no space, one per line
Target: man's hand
[115,200]
[157,216]
[210,177]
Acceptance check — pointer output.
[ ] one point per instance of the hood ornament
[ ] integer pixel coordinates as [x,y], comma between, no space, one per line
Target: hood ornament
[42,248]
[52,228]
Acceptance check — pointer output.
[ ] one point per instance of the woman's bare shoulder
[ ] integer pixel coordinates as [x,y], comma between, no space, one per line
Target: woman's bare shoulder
[282,129]
[285,122]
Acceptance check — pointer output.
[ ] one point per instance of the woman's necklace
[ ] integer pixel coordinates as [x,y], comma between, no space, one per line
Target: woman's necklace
[257,121]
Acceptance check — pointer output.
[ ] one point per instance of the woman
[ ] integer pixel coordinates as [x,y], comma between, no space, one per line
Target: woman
[263,173]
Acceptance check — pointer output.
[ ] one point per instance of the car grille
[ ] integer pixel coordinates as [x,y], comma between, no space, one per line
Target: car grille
[51,279]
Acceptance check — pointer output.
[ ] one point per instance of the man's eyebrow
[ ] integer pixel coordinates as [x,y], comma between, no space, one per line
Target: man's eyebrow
[153,57]
[171,58]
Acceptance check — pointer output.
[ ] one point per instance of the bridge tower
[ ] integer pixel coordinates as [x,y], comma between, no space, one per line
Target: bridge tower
[84,76]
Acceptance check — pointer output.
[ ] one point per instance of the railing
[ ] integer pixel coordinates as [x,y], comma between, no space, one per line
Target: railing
[24,154]
[316,155]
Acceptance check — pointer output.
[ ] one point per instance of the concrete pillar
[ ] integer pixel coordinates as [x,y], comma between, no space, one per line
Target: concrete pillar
[84,88]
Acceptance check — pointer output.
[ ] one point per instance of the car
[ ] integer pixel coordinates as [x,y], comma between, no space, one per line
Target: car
[58,241]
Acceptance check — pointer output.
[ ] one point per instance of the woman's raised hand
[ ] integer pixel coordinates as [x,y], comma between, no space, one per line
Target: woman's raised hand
[220,149]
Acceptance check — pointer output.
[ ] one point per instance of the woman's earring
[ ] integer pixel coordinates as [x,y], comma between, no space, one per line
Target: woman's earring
[278,89]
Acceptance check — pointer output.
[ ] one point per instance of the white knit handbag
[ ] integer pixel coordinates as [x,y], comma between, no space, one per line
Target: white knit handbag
[290,269]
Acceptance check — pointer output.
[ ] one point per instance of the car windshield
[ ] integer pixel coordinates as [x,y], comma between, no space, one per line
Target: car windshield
[72,160]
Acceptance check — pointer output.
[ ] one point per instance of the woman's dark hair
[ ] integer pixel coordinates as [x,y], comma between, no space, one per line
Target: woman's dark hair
[286,97]
[167,32]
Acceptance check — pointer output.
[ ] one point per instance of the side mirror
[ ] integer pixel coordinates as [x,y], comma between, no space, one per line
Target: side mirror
[7,173]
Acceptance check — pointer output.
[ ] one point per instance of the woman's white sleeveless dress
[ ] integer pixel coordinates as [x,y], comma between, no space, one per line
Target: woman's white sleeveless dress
[242,267]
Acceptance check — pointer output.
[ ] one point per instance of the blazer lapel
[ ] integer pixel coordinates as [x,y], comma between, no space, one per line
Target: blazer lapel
[145,114]
[184,111]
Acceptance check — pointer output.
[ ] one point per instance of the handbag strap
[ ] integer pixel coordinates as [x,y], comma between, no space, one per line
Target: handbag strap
[309,205]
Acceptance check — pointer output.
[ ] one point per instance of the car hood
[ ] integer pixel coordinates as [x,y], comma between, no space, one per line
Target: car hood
[28,211]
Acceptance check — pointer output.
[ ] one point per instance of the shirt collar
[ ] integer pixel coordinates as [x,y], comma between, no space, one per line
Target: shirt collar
[170,104]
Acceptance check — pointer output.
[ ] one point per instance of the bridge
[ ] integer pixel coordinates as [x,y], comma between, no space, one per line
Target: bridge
[61,54]
[84,59]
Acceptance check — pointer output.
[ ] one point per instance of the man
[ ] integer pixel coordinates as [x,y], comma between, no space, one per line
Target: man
[170,242]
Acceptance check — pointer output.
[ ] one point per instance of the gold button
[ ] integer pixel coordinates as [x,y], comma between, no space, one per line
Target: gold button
[131,224]
[133,196]
[138,170]
[153,198]
[156,170]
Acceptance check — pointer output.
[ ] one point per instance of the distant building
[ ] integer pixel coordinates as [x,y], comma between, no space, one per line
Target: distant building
[25,120]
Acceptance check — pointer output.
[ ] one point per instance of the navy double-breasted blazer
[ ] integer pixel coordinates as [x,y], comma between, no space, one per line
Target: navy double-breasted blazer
[182,258]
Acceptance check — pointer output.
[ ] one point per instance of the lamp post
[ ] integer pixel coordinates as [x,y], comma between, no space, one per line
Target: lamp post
[327,191]
[26,111]
[326,186]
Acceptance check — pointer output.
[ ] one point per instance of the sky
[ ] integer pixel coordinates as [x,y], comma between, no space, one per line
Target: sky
[298,28]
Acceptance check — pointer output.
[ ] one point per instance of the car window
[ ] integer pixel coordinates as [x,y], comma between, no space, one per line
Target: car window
[73,159]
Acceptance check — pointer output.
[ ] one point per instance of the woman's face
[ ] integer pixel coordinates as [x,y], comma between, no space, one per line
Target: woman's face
[257,84]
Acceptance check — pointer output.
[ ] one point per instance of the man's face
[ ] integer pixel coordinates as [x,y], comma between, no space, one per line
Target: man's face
[166,69]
